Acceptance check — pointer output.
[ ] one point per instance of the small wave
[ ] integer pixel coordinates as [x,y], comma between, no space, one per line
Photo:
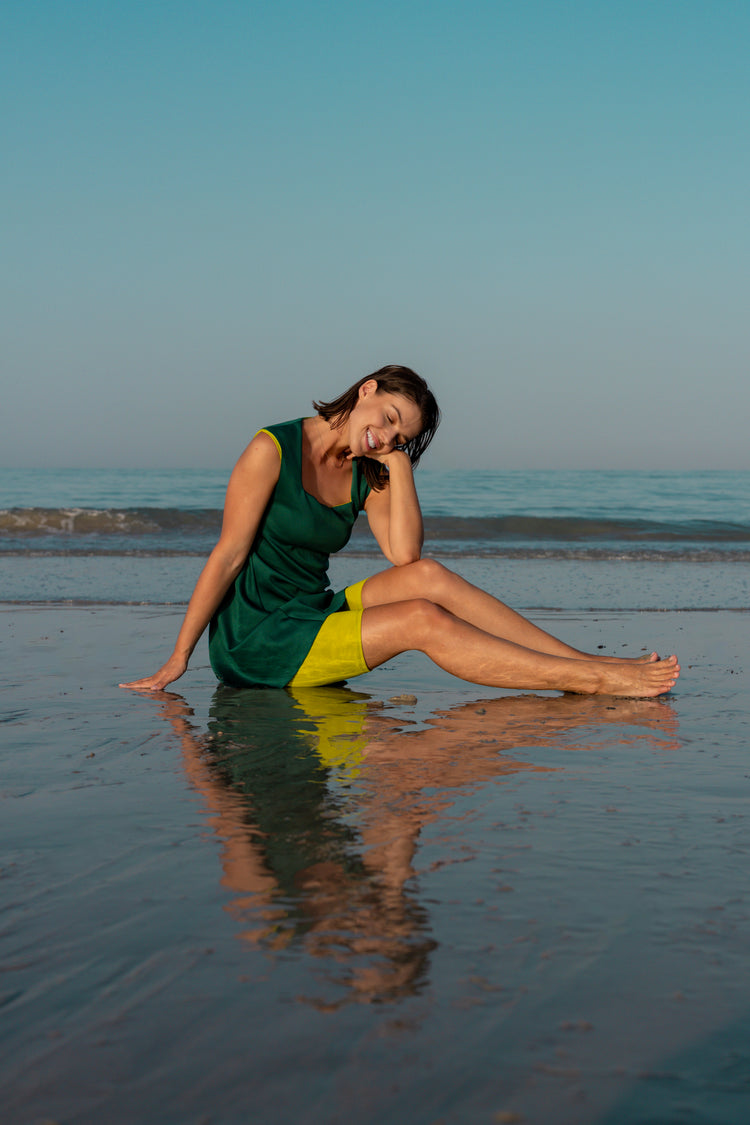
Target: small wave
[448,551]
[107,521]
[575,528]
[57,552]
[501,531]
[572,554]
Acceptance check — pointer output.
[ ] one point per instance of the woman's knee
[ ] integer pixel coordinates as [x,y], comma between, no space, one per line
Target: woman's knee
[426,578]
[399,626]
[422,617]
[432,577]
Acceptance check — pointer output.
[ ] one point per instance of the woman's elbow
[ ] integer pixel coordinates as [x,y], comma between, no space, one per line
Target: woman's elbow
[405,557]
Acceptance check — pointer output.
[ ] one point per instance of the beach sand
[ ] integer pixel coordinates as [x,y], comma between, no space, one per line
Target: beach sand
[405,900]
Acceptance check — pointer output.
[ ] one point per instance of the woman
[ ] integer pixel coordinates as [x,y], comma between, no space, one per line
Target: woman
[293,498]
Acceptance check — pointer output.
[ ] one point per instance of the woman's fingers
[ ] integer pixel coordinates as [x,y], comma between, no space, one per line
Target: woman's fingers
[166,675]
[148,683]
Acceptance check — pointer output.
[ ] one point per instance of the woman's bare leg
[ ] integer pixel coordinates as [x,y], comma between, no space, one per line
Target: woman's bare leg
[431,580]
[482,658]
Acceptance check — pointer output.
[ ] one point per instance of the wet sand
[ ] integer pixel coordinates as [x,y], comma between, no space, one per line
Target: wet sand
[406,900]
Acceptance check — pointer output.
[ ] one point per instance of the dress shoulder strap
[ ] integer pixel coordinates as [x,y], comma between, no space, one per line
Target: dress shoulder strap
[286,437]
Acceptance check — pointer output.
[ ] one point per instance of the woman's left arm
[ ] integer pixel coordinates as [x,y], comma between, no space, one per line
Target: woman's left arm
[394,514]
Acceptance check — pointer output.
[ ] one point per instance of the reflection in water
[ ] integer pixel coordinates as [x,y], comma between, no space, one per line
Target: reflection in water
[318,796]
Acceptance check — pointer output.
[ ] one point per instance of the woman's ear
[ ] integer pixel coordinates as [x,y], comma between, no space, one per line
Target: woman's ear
[368,388]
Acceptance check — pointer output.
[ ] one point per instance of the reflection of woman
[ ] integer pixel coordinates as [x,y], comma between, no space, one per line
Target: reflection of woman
[292,500]
[318,801]
[275,773]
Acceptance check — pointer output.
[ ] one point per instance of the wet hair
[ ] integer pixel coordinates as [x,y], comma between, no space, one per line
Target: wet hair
[394,380]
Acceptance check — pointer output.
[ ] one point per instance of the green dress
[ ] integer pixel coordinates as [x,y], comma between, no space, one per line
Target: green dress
[270,616]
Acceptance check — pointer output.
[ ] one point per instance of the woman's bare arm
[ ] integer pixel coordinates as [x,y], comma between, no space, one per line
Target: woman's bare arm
[250,486]
[394,513]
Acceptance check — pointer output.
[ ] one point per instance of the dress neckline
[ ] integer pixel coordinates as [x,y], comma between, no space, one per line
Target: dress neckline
[321,503]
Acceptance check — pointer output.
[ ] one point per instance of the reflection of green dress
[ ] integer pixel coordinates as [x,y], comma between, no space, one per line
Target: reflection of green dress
[276,748]
[270,616]
[293,757]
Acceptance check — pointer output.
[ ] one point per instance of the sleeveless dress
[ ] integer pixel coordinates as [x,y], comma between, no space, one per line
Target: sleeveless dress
[274,610]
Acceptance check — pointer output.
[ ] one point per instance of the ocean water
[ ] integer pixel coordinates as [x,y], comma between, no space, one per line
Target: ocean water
[405,900]
[656,539]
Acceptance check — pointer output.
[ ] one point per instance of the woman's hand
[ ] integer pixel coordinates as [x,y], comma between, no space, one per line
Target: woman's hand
[175,667]
[388,456]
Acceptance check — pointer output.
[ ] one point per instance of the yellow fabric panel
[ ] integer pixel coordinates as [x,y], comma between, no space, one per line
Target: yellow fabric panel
[354,595]
[336,652]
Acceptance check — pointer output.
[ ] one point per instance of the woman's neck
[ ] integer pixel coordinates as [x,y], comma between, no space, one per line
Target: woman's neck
[328,443]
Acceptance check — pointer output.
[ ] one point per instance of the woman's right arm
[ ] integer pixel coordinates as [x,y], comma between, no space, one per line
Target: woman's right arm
[250,487]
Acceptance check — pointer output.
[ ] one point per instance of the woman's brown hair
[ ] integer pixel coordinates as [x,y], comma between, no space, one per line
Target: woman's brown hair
[394,380]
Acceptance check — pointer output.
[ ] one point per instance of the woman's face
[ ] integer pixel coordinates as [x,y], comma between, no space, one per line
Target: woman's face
[381,421]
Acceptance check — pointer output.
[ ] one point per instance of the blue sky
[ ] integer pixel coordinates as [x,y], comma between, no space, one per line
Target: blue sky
[215,212]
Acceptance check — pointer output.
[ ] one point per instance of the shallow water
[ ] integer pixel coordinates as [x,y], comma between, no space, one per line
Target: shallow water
[530,584]
[404,900]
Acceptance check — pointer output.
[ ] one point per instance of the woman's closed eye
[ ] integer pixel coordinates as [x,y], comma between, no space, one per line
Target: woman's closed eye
[399,440]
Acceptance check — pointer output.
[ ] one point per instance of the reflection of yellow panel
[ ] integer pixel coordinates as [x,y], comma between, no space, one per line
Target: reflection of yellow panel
[334,723]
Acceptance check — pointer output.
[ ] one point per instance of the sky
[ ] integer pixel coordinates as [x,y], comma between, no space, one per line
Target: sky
[215,211]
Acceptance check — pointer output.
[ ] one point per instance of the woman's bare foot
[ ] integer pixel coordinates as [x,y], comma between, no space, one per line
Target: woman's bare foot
[639,679]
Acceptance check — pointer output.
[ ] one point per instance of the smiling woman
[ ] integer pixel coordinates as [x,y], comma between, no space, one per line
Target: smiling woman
[292,500]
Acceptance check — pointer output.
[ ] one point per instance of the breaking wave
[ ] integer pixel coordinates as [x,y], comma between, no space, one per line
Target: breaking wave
[173,523]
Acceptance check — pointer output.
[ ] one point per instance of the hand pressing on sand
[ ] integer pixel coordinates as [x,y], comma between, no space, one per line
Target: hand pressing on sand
[175,667]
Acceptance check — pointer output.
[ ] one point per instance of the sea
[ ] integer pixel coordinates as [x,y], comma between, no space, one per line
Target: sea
[540,539]
[407,899]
